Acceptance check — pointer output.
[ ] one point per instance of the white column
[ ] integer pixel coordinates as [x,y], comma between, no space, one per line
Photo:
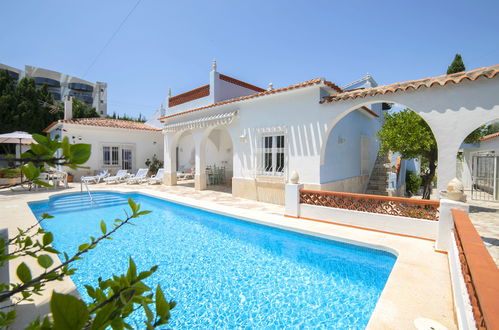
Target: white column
[200,160]
[170,159]
[292,199]
[446,223]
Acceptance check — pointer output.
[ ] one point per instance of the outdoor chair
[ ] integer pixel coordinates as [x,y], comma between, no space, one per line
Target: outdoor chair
[186,175]
[120,176]
[59,177]
[95,178]
[158,177]
[139,177]
[43,177]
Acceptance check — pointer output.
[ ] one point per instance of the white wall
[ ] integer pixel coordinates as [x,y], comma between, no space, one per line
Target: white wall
[383,222]
[144,144]
[201,102]
[343,152]
[186,152]
[225,90]
[219,149]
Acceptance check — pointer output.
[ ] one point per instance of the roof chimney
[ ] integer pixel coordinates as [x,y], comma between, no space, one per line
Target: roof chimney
[271,87]
[214,65]
[68,107]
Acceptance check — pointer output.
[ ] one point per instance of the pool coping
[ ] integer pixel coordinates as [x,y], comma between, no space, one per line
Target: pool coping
[405,296]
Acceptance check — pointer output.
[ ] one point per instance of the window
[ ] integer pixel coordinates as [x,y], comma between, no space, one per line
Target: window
[110,155]
[126,159]
[273,160]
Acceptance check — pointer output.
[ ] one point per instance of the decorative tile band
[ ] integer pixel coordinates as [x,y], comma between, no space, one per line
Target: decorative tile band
[398,206]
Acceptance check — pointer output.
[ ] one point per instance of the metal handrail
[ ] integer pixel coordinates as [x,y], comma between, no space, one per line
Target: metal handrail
[88,190]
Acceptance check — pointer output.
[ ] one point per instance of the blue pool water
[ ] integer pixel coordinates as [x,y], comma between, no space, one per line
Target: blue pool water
[223,272]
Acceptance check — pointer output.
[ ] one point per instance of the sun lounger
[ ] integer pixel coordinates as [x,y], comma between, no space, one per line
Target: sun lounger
[139,177]
[121,176]
[158,177]
[185,175]
[95,178]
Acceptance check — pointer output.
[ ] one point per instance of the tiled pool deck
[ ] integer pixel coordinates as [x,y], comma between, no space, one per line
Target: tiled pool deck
[485,218]
[418,287]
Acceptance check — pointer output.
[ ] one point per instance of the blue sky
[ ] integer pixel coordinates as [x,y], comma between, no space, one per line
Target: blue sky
[172,43]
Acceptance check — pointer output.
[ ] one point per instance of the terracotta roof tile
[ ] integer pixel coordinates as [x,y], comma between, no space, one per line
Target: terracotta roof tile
[240,83]
[267,92]
[490,136]
[104,122]
[191,95]
[456,78]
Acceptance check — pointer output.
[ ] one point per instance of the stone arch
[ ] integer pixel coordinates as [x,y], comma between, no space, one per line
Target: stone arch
[220,142]
[476,166]
[330,126]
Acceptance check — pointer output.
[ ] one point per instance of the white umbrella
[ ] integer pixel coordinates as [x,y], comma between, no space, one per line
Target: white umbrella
[17,137]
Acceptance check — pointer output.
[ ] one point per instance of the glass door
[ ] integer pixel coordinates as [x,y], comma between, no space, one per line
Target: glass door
[126,159]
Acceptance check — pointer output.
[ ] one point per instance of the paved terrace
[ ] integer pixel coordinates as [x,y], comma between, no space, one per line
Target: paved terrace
[485,217]
[418,288]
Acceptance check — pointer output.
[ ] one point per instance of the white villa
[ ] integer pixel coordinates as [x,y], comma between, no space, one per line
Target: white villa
[116,144]
[259,137]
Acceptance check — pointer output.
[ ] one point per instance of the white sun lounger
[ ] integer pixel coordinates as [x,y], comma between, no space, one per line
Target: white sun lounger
[139,177]
[95,178]
[158,177]
[121,176]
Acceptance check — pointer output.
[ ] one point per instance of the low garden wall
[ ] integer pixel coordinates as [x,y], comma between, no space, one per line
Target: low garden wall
[405,216]
[475,277]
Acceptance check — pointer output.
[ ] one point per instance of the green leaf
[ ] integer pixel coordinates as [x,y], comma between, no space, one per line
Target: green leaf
[48,238]
[51,250]
[40,139]
[30,171]
[28,241]
[45,261]
[66,152]
[162,307]
[83,246]
[23,272]
[80,153]
[133,206]
[132,270]
[103,227]
[47,216]
[68,311]
[42,183]
[40,149]
[101,320]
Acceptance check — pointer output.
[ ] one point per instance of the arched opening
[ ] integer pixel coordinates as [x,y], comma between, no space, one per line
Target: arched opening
[185,159]
[351,160]
[218,148]
[477,163]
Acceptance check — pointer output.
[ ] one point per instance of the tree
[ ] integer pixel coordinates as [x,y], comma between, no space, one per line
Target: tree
[83,110]
[23,106]
[113,300]
[407,133]
[457,65]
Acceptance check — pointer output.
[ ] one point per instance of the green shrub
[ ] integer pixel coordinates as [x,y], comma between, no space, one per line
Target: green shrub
[412,182]
[154,165]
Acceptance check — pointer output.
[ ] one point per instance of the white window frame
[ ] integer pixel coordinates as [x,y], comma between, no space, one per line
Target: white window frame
[116,162]
[274,151]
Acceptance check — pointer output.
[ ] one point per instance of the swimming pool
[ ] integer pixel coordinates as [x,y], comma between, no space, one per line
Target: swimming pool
[223,272]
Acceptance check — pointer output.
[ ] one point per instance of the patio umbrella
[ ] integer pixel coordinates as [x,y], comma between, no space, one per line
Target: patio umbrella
[17,137]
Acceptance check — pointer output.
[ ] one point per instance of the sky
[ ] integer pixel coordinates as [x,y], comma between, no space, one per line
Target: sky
[171,44]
